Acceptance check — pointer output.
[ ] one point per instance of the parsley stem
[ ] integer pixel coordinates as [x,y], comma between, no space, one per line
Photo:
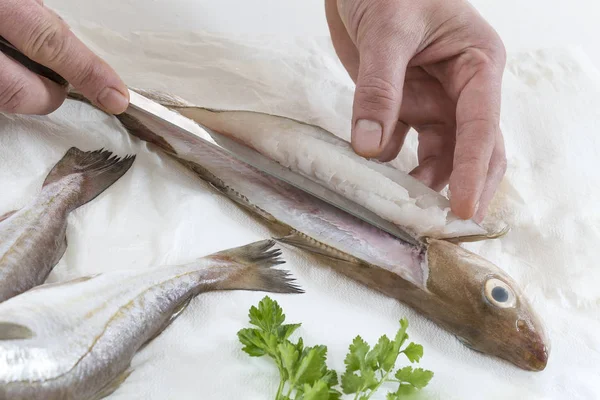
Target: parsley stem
[280,388]
[381,382]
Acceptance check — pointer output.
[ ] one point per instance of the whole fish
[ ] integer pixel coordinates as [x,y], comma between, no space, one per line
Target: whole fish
[33,238]
[76,339]
[455,288]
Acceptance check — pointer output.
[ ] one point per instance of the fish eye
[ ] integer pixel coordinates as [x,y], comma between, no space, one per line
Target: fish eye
[499,293]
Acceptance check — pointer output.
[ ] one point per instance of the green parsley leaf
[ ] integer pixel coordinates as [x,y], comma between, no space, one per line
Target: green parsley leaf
[355,359]
[289,358]
[404,390]
[318,391]
[312,365]
[268,316]
[384,354]
[418,378]
[253,342]
[401,336]
[285,331]
[351,382]
[330,377]
[414,352]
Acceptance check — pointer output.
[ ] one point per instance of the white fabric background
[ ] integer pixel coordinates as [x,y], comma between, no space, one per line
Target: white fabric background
[160,213]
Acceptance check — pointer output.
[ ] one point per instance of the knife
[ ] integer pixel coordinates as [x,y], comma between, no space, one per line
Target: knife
[145,108]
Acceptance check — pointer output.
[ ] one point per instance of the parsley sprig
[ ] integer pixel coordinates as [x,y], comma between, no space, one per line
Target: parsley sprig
[367,369]
[303,370]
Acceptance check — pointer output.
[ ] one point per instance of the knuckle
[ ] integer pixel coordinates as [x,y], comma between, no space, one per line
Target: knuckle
[468,159]
[47,42]
[478,126]
[376,94]
[13,95]
[88,76]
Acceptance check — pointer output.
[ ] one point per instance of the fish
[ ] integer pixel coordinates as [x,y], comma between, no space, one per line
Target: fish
[76,339]
[460,291]
[33,238]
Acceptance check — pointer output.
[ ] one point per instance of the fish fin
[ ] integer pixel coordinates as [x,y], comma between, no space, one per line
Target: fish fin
[476,238]
[12,331]
[176,313]
[7,215]
[303,242]
[98,169]
[256,261]
[112,386]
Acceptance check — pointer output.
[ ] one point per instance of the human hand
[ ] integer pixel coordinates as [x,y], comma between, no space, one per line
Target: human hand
[44,37]
[436,66]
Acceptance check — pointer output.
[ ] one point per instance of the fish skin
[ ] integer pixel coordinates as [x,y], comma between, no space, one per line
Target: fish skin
[33,238]
[440,279]
[85,332]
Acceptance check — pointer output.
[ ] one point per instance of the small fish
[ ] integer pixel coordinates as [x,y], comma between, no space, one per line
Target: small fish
[75,340]
[458,290]
[33,238]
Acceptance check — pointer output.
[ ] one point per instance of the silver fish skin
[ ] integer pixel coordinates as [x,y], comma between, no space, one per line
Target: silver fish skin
[75,340]
[458,290]
[33,238]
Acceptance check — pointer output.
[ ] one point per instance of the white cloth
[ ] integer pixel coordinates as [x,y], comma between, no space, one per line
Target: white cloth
[160,213]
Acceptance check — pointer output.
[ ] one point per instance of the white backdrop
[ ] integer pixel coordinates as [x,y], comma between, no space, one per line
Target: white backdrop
[523,24]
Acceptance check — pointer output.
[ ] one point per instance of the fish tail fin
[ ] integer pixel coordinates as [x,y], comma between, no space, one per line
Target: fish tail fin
[98,171]
[256,261]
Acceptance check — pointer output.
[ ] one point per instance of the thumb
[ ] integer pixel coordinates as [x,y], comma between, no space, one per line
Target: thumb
[378,94]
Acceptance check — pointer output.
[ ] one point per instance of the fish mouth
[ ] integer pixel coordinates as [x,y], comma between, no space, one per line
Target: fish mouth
[536,357]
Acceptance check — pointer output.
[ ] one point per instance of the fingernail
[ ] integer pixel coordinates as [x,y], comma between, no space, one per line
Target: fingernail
[367,137]
[113,101]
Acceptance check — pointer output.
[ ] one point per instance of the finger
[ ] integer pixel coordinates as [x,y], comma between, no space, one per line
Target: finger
[436,148]
[24,92]
[477,121]
[384,54]
[377,100]
[395,144]
[434,171]
[44,38]
[496,172]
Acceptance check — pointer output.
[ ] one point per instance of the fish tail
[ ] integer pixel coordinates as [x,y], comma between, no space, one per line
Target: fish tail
[98,171]
[255,261]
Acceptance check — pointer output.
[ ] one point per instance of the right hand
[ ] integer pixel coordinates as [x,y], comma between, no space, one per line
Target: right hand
[436,66]
[44,37]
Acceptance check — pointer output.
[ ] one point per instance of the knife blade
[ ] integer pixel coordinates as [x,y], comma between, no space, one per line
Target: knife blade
[170,119]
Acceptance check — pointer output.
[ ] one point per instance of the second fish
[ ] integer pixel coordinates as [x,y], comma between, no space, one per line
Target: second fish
[33,239]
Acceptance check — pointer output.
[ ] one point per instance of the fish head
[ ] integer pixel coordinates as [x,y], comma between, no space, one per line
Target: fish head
[485,307]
